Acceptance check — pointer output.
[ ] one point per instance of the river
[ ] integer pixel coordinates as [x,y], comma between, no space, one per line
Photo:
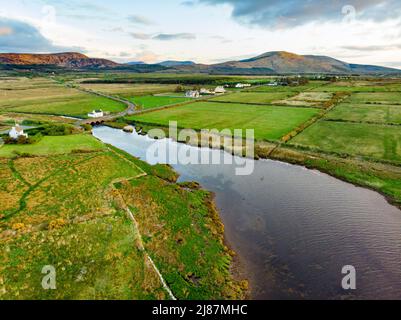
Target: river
[294,229]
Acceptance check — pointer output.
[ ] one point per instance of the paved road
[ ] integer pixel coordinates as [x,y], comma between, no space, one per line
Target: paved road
[131,108]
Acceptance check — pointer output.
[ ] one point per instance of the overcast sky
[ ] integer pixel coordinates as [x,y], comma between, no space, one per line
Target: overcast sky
[205,31]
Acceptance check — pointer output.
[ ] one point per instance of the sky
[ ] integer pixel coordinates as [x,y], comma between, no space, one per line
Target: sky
[205,31]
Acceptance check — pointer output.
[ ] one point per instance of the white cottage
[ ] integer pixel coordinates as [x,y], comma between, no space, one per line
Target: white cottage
[219,90]
[192,94]
[96,114]
[17,132]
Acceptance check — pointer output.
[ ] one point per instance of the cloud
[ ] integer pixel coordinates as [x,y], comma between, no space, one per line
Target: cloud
[370,48]
[140,36]
[25,38]
[136,19]
[175,36]
[289,13]
[162,36]
[146,56]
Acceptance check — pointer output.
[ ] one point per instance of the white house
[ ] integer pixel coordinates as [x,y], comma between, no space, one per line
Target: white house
[96,114]
[243,85]
[192,94]
[17,132]
[205,91]
[220,90]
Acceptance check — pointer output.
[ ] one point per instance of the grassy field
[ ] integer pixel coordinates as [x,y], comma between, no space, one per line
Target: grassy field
[53,145]
[265,88]
[389,114]
[388,98]
[128,90]
[253,97]
[376,141]
[69,211]
[268,122]
[362,86]
[150,102]
[42,96]
[308,99]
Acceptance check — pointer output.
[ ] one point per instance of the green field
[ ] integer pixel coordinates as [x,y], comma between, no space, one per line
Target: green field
[253,97]
[129,90]
[265,88]
[376,98]
[366,113]
[54,145]
[269,122]
[43,97]
[361,86]
[150,102]
[375,141]
[69,211]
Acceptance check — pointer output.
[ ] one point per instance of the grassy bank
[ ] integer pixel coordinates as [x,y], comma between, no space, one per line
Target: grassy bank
[69,211]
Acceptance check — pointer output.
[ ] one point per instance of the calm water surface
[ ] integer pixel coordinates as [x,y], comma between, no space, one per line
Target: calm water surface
[293,228]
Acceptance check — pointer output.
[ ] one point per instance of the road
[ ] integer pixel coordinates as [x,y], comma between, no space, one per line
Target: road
[131,108]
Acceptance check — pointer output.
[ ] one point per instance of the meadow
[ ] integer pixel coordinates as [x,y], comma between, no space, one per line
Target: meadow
[386,114]
[69,211]
[253,97]
[269,122]
[53,145]
[150,102]
[391,98]
[44,97]
[130,90]
[361,86]
[380,142]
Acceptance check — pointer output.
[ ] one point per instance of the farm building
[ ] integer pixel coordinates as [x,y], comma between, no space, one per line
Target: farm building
[192,94]
[243,85]
[17,132]
[220,90]
[96,114]
[205,91]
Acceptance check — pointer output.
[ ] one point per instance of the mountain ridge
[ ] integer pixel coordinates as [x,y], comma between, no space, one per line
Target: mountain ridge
[274,62]
[65,59]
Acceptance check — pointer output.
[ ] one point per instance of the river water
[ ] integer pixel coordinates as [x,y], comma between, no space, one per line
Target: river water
[294,229]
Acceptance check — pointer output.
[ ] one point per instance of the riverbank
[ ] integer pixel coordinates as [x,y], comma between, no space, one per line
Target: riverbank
[382,177]
[93,242]
[293,228]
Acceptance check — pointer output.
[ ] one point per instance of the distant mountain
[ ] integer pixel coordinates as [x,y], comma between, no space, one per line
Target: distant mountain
[70,60]
[134,63]
[276,62]
[281,62]
[172,63]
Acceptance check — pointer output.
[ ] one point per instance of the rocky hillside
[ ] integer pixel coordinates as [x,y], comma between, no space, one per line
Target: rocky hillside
[68,60]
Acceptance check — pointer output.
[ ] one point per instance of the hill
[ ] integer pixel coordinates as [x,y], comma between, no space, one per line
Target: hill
[70,60]
[282,62]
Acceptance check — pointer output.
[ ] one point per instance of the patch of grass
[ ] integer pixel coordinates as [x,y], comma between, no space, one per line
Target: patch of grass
[130,90]
[387,98]
[253,97]
[53,145]
[269,122]
[389,114]
[51,98]
[150,102]
[73,219]
[194,263]
[376,141]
